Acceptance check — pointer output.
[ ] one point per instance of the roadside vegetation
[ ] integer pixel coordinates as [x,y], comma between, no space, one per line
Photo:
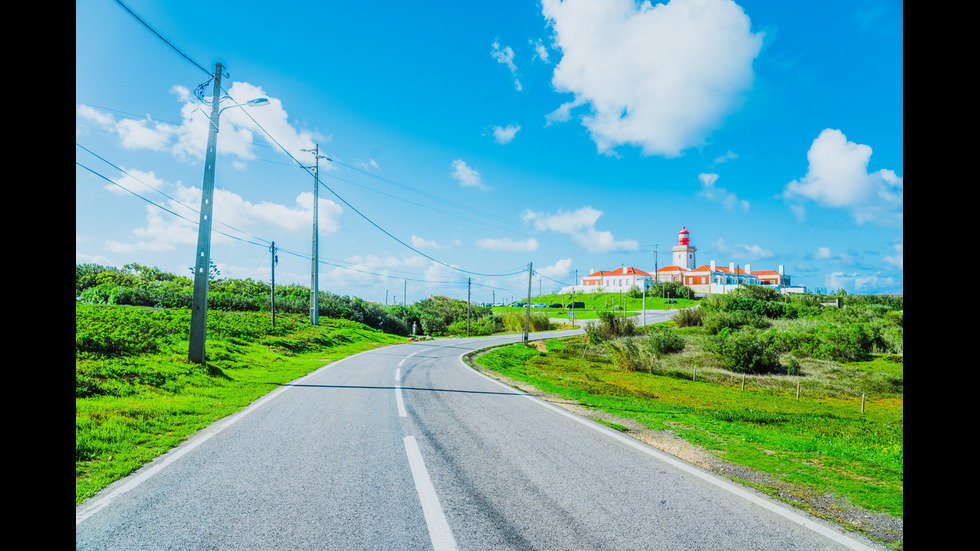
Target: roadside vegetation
[137,395]
[811,396]
[662,296]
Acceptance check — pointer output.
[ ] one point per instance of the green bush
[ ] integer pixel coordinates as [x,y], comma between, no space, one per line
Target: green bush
[733,320]
[611,326]
[105,293]
[744,351]
[690,317]
[433,326]
[626,354]
[663,340]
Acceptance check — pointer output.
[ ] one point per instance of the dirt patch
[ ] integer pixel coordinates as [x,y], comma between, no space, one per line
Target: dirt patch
[877,526]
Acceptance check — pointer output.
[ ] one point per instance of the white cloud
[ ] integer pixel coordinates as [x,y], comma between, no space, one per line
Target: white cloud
[838,177]
[823,253]
[540,51]
[723,196]
[505,56]
[504,244]
[659,77]
[466,176]
[580,226]
[188,140]
[898,260]
[504,135]
[558,270]
[725,158]
[420,243]
[742,252]
[163,231]
[859,283]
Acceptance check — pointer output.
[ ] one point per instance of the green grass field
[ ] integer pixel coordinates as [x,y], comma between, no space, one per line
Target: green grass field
[819,443]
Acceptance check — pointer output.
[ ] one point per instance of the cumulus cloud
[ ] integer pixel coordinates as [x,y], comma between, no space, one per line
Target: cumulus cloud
[509,245]
[420,243]
[188,139]
[164,231]
[728,199]
[580,226]
[558,270]
[742,252]
[504,134]
[898,259]
[466,176]
[838,177]
[659,77]
[862,283]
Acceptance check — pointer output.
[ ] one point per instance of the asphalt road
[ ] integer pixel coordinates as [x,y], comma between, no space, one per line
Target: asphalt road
[407,448]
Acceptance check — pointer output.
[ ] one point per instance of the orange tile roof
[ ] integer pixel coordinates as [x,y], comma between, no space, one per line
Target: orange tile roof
[629,271]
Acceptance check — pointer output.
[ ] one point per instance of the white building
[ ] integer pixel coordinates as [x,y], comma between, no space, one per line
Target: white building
[620,280]
[705,279]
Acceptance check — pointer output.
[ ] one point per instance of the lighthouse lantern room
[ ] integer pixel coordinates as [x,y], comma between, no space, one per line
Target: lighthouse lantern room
[683,252]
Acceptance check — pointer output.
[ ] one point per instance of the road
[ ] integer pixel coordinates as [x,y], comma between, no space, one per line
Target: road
[406,448]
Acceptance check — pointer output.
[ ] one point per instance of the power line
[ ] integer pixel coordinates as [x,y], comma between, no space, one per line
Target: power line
[320,182]
[264,242]
[165,41]
[357,211]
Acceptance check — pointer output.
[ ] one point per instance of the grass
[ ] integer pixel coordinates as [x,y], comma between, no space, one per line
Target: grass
[819,443]
[137,396]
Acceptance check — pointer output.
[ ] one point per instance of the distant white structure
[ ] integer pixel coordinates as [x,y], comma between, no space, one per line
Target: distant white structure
[615,281]
[706,279]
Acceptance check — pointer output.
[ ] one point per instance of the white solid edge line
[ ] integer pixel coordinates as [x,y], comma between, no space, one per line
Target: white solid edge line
[435,520]
[129,483]
[724,484]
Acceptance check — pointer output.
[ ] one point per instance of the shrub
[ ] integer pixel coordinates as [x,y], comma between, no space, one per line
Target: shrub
[690,317]
[744,352]
[626,354]
[106,293]
[716,321]
[664,340]
[611,326]
[433,326]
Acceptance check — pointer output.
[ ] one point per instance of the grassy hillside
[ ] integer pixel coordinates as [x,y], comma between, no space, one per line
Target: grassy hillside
[137,395]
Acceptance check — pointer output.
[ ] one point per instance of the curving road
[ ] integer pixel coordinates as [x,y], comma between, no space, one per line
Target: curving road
[406,448]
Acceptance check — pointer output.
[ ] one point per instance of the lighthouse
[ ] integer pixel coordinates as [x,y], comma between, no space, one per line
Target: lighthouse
[683,252]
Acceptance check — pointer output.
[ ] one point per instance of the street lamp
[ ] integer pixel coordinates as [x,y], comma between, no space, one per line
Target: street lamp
[199,302]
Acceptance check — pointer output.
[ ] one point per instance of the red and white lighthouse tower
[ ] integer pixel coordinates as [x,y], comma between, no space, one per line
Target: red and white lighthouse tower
[683,252]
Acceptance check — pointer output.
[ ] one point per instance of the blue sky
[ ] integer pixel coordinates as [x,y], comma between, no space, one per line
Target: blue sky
[469,139]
